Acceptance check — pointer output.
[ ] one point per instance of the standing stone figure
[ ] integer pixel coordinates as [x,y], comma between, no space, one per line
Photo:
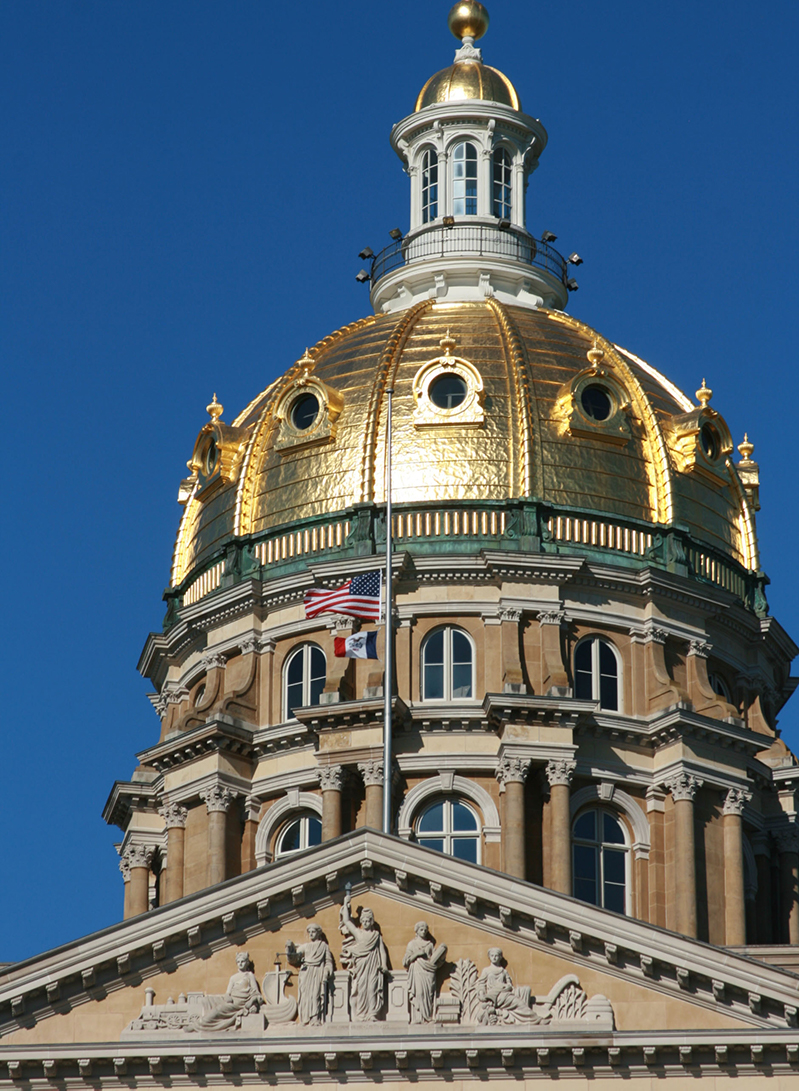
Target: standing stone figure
[364,955]
[422,962]
[243,997]
[500,1001]
[316,971]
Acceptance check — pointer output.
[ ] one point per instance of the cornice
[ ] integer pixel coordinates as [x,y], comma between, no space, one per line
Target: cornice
[127,797]
[348,714]
[219,734]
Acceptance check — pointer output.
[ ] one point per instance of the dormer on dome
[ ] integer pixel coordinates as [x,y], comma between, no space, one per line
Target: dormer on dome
[469,151]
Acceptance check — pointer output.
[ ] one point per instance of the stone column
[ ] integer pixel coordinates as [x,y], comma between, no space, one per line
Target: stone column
[138,859]
[683,788]
[763,905]
[252,814]
[174,817]
[559,773]
[217,800]
[124,867]
[511,774]
[734,895]
[331,781]
[788,844]
[372,773]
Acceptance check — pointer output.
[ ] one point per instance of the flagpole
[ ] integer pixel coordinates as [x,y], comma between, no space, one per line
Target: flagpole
[388,678]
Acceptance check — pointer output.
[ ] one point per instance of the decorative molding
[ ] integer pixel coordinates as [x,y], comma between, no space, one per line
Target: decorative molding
[371,773]
[700,647]
[174,815]
[512,769]
[735,800]
[138,856]
[331,778]
[683,786]
[445,783]
[509,613]
[217,798]
[560,771]
[214,659]
[292,803]
[551,617]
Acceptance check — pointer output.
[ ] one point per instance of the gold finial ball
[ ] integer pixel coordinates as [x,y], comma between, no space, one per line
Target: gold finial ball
[468,20]
[214,410]
[704,394]
[746,448]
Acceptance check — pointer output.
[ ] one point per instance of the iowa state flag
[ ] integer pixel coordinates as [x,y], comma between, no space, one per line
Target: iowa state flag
[356,646]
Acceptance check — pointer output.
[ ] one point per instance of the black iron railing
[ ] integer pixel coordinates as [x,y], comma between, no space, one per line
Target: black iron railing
[469,239]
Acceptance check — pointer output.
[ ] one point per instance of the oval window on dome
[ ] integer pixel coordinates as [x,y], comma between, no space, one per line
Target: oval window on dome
[709,439]
[210,457]
[448,391]
[596,402]
[304,411]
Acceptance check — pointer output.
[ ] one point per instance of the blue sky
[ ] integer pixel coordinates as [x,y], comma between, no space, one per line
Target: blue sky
[185,188]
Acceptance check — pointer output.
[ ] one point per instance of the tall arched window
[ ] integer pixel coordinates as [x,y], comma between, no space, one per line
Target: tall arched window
[452,827]
[464,180]
[447,666]
[600,860]
[596,673]
[304,678]
[502,184]
[299,834]
[429,185]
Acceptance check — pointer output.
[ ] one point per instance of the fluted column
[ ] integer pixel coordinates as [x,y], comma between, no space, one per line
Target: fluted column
[788,844]
[559,773]
[764,913]
[138,859]
[331,781]
[511,774]
[217,800]
[734,894]
[372,773]
[174,817]
[683,788]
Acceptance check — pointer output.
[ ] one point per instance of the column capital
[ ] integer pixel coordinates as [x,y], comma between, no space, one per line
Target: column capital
[787,839]
[551,617]
[174,815]
[735,800]
[372,773]
[137,856]
[214,659]
[512,770]
[331,778]
[683,786]
[559,771]
[217,798]
[124,867]
[702,648]
[509,613]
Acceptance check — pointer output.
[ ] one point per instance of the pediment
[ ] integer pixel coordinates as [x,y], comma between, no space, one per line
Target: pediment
[572,970]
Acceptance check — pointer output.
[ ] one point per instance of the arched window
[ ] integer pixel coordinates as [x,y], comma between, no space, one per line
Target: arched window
[596,673]
[502,184]
[299,834]
[429,185]
[719,686]
[452,827]
[447,666]
[304,677]
[600,860]
[464,180]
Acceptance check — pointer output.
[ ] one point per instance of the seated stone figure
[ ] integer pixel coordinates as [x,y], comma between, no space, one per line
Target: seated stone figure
[500,1001]
[243,997]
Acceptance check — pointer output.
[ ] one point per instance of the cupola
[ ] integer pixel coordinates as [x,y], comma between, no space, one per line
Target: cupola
[469,149]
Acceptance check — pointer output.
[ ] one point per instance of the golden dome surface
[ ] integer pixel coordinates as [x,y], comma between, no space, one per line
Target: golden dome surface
[519,432]
[466,80]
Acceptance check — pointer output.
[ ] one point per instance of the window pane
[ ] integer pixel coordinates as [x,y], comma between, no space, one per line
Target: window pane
[607,660]
[294,673]
[290,841]
[314,830]
[612,830]
[613,866]
[583,688]
[614,898]
[434,648]
[461,648]
[465,848]
[584,862]
[433,683]
[585,826]
[463,818]
[609,693]
[585,890]
[436,843]
[433,818]
[462,681]
[293,697]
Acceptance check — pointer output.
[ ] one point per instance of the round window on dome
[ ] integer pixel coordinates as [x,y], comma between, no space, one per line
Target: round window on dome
[210,457]
[304,411]
[596,402]
[448,391]
[709,438]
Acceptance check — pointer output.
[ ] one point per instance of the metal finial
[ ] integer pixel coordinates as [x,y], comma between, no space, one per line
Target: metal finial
[214,410]
[704,394]
[595,355]
[746,448]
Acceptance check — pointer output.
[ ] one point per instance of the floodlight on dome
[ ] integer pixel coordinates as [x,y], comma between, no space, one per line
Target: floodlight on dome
[395,234]
[574,259]
[572,284]
[362,277]
[448,221]
[366,253]
[504,225]
[548,237]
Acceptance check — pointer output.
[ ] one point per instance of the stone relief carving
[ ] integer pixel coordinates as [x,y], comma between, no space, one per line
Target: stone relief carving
[422,962]
[243,997]
[498,999]
[364,955]
[315,963]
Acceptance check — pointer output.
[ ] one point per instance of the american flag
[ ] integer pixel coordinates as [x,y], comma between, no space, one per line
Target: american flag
[358,597]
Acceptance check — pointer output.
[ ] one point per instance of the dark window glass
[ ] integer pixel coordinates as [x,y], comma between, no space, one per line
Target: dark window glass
[502,184]
[463,818]
[583,673]
[596,673]
[465,848]
[304,411]
[433,818]
[611,830]
[290,841]
[211,457]
[447,666]
[596,403]
[464,180]
[600,867]
[585,826]
[436,843]
[449,826]
[429,186]
[314,831]
[306,675]
[448,391]
[710,441]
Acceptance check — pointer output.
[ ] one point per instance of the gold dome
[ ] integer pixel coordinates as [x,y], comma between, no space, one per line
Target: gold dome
[467,80]
[521,432]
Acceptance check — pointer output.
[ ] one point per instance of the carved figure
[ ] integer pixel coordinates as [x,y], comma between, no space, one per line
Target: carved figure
[243,997]
[422,962]
[316,972]
[500,1001]
[364,955]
